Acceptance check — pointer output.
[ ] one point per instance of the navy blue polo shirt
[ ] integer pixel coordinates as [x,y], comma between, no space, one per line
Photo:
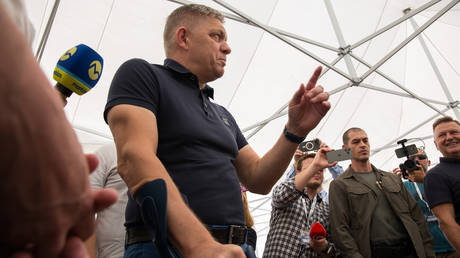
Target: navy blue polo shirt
[198,140]
[442,184]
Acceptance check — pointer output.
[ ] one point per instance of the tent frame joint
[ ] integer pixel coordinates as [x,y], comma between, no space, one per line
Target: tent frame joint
[343,51]
[454,104]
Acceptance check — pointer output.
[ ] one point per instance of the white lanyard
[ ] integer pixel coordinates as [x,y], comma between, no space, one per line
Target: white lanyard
[420,195]
[309,213]
[431,217]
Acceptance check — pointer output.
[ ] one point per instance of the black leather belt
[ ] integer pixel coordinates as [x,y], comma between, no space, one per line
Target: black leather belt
[402,248]
[232,234]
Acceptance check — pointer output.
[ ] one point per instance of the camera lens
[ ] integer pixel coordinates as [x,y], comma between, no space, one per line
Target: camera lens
[309,146]
[410,165]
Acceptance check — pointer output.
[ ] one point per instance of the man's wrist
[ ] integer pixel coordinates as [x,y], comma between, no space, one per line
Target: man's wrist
[292,137]
[328,250]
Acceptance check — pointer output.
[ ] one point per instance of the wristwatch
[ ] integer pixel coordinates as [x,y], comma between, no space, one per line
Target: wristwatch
[292,137]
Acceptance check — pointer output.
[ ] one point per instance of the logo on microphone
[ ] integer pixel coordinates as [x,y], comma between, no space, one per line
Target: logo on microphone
[95,69]
[68,54]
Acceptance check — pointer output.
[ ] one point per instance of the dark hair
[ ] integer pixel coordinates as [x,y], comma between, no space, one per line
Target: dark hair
[444,119]
[345,136]
[304,157]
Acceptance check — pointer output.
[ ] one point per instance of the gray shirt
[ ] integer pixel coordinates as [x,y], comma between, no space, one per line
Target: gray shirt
[110,231]
[386,227]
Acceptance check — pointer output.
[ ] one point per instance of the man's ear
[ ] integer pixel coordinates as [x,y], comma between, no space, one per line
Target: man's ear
[181,37]
[344,146]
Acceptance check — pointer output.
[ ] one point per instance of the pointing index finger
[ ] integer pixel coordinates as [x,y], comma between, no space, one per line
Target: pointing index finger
[314,78]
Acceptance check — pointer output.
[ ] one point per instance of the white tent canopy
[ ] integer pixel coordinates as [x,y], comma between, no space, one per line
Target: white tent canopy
[395,65]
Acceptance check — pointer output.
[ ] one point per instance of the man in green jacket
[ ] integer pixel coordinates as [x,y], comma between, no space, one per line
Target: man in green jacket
[371,212]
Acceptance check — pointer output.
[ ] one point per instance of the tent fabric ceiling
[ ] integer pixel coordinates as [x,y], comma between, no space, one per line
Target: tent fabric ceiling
[263,72]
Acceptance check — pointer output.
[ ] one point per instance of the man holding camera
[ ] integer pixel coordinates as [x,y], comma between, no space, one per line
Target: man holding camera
[414,185]
[302,150]
[296,207]
[442,183]
[372,213]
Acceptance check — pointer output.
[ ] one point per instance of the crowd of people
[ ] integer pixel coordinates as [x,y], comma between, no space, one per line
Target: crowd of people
[181,169]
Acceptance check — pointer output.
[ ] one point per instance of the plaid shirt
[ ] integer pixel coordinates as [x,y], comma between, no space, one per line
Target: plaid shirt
[288,222]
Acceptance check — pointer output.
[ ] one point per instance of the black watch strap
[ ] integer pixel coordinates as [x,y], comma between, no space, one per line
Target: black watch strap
[292,137]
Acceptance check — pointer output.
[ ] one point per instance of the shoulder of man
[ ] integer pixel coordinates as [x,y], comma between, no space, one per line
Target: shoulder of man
[347,173]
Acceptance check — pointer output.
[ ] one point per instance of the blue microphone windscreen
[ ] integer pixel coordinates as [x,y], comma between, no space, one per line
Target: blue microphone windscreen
[79,69]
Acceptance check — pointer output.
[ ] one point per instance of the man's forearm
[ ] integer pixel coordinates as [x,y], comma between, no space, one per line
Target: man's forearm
[186,232]
[453,234]
[266,171]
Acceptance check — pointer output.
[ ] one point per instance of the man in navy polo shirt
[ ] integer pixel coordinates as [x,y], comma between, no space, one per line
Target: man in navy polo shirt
[166,127]
[442,182]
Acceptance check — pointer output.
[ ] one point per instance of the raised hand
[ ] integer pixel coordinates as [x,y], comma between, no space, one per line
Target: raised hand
[308,106]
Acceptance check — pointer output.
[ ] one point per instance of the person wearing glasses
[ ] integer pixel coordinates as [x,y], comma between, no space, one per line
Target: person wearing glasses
[414,185]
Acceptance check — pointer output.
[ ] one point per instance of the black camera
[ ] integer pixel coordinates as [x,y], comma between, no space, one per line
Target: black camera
[410,164]
[310,145]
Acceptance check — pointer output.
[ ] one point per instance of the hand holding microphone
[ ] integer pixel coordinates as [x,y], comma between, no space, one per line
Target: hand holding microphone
[78,70]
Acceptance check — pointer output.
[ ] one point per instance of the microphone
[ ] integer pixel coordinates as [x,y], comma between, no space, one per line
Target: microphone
[78,70]
[317,230]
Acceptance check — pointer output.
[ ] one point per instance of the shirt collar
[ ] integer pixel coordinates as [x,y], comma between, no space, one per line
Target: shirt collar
[449,160]
[177,67]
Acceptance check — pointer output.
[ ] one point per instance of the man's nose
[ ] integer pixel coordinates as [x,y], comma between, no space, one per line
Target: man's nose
[226,48]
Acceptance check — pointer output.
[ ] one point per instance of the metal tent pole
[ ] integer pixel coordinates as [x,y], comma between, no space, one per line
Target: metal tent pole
[284,39]
[407,132]
[411,140]
[436,70]
[395,23]
[91,131]
[411,37]
[282,32]
[340,38]
[395,83]
[372,87]
[261,124]
[49,24]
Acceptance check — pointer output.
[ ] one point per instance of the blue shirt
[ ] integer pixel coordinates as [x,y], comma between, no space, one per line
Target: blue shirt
[335,171]
[197,139]
[440,242]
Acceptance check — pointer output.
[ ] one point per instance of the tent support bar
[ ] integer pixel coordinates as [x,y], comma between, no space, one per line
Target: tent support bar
[441,80]
[340,38]
[408,132]
[284,39]
[395,23]
[341,88]
[368,86]
[282,32]
[262,203]
[395,83]
[93,132]
[407,40]
[408,141]
[46,33]
[261,124]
